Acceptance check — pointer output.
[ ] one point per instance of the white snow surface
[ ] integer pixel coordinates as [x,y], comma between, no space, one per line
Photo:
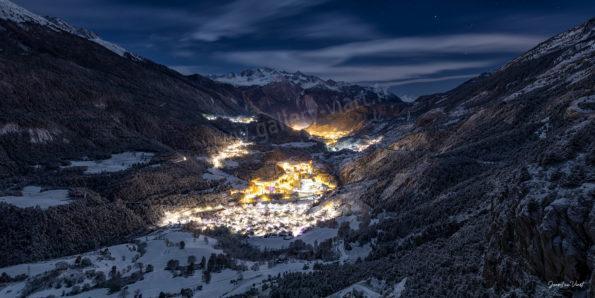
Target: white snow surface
[277,242]
[214,174]
[12,12]
[316,234]
[117,162]
[36,135]
[372,288]
[399,288]
[563,40]
[359,287]
[568,67]
[161,247]
[32,196]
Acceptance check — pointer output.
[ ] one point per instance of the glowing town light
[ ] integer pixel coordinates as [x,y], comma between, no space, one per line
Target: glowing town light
[259,211]
[299,126]
[236,149]
[330,136]
[210,117]
[299,180]
[259,219]
[234,119]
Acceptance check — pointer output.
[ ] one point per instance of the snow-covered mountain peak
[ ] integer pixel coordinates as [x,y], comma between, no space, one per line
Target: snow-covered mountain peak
[12,12]
[263,76]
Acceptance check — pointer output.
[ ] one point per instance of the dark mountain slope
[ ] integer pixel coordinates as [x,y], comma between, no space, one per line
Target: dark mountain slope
[63,95]
[66,94]
[301,100]
[488,190]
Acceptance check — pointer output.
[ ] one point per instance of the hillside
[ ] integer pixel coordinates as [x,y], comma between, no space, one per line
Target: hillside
[66,93]
[490,184]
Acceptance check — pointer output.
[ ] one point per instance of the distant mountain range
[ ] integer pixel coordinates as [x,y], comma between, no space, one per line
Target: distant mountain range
[302,100]
[264,76]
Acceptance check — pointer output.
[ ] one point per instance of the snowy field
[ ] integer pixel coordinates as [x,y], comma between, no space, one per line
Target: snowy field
[32,196]
[317,235]
[309,237]
[372,288]
[65,276]
[117,162]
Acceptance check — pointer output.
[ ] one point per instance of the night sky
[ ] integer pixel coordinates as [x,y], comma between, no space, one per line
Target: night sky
[413,47]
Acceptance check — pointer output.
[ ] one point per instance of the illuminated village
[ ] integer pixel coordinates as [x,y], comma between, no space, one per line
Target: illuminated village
[330,136]
[285,205]
[300,180]
[234,119]
[236,149]
[260,219]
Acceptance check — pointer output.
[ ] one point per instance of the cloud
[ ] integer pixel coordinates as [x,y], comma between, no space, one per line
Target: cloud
[374,73]
[243,16]
[183,53]
[187,69]
[333,61]
[426,80]
[414,46]
[336,26]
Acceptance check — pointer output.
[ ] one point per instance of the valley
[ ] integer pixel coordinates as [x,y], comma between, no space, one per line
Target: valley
[290,207]
[122,177]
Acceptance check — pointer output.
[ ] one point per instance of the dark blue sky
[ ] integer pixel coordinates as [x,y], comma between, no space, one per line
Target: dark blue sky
[413,47]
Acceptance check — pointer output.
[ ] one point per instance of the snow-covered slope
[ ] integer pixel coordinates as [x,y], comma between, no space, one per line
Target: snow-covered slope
[12,12]
[129,263]
[574,39]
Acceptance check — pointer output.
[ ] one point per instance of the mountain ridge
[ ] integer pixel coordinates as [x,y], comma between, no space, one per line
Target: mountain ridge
[262,76]
[15,13]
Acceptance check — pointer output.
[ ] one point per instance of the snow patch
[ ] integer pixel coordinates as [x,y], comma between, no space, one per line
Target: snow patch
[36,135]
[399,288]
[12,12]
[371,288]
[354,144]
[32,196]
[309,237]
[161,247]
[116,163]
[214,174]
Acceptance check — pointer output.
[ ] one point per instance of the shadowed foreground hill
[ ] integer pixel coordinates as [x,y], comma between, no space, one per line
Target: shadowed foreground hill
[488,190]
